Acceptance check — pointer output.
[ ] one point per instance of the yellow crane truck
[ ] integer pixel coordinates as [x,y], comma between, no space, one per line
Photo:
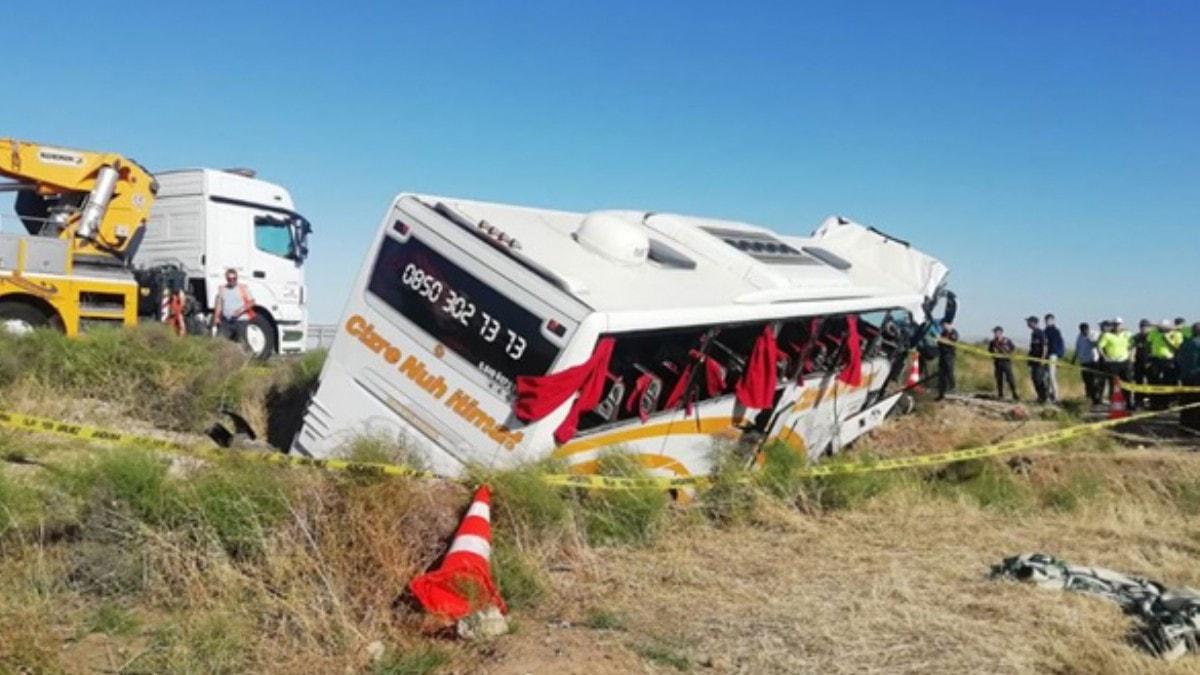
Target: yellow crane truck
[85,214]
[87,218]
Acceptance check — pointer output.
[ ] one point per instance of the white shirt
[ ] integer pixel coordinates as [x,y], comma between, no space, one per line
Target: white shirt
[1085,348]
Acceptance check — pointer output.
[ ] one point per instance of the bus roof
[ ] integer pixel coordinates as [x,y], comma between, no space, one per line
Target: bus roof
[634,261]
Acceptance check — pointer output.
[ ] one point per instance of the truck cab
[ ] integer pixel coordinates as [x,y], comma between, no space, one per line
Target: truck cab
[207,220]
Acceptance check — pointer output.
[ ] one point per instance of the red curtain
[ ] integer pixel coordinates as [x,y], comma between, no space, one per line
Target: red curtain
[714,376]
[756,388]
[680,388]
[540,396]
[852,373]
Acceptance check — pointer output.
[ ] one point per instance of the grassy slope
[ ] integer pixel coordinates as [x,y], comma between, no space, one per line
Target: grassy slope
[119,560]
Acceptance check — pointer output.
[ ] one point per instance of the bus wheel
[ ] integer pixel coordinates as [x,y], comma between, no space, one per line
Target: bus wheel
[260,337]
[18,318]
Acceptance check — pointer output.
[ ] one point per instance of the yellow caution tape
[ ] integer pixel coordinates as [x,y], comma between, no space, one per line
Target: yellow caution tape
[87,432]
[589,481]
[1128,386]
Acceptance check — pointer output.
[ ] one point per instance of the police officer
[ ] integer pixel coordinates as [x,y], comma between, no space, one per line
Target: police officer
[946,356]
[1141,361]
[1116,347]
[1187,359]
[1002,367]
[1038,349]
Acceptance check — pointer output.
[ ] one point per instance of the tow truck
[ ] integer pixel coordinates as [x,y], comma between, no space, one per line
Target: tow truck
[106,242]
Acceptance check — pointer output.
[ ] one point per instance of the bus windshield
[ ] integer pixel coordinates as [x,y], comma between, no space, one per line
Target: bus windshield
[471,318]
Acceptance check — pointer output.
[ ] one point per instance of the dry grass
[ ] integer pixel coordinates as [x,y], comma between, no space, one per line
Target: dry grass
[120,561]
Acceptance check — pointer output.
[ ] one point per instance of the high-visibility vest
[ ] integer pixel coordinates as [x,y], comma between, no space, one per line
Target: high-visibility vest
[1160,348]
[247,302]
[1115,346]
[1174,338]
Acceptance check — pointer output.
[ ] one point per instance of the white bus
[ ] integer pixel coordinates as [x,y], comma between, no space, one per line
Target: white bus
[679,329]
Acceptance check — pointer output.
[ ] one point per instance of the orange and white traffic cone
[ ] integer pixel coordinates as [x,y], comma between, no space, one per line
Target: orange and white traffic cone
[914,375]
[1116,406]
[463,584]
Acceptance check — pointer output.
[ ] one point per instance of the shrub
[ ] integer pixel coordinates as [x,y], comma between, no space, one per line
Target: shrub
[516,575]
[730,497]
[377,448]
[237,504]
[134,478]
[525,508]
[626,516]
[146,371]
[778,475]
[20,506]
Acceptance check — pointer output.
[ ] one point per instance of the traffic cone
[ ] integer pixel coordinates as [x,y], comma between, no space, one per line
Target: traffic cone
[1116,406]
[914,375]
[463,584]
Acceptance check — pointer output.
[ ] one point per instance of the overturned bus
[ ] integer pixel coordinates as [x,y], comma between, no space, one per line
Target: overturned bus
[490,334]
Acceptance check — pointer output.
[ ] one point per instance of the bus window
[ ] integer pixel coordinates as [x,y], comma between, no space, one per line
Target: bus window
[695,364]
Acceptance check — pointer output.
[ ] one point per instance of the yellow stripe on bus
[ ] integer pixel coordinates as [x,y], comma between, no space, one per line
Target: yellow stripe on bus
[708,425]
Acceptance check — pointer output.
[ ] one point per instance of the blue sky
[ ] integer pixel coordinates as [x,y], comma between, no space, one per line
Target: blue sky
[1047,153]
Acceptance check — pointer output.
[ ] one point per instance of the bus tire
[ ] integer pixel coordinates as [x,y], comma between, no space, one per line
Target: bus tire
[259,337]
[20,318]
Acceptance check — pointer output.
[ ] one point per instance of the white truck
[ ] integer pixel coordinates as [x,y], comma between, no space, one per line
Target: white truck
[205,221]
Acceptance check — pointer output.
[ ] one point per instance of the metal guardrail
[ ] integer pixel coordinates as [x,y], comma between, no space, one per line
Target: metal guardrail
[320,335]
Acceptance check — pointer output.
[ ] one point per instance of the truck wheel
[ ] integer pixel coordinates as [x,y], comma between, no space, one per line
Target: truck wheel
[18,318]
[260,337]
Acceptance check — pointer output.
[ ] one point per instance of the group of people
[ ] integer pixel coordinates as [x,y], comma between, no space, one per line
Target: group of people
[1161,354]
[1166,353]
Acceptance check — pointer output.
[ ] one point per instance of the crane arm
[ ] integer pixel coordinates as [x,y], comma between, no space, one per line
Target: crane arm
[99,201]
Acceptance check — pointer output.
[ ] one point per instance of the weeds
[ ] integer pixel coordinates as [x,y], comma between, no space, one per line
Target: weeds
[517,576]
[376,448]
[986,483]
[630,516]
[211,642]
[20,506]
[525,508]
[662,654]
[603,619]
[421,661]
[147,372]
[1067,496]
[111,619]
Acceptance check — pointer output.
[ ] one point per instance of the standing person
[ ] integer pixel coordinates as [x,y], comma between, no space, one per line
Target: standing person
[1102,364]
[1038,349]
[1057,348]
[1087,357]
[946,356]
[1116,346]
[1002,367]
[1140,347]
[1187,360]
[233,309]
[1162,341]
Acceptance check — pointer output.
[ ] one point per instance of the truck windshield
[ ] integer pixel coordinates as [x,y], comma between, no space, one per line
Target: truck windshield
[282,236]
[497,336]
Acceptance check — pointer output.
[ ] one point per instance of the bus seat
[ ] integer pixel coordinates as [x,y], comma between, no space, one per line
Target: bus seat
[610,403]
